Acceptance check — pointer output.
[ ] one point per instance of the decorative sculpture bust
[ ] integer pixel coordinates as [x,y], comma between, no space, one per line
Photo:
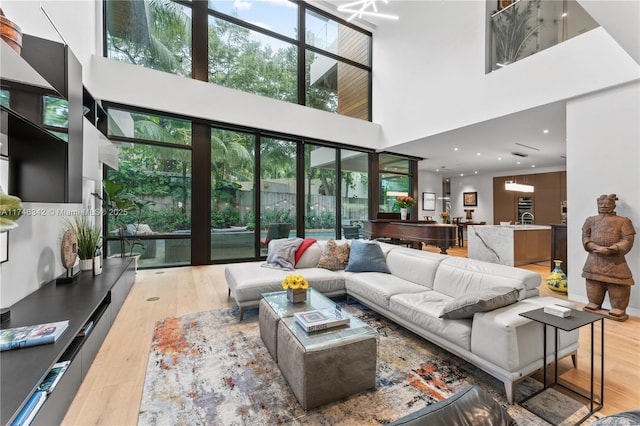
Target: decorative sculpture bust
[607,237]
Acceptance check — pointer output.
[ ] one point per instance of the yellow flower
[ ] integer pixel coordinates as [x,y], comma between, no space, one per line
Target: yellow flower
[294,282]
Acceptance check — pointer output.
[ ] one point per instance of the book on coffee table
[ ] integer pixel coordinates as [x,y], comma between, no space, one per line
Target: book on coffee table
[320,319]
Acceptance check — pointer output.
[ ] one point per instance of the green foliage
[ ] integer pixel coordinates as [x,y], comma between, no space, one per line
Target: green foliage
[10,211]
[88,235]
[168,220]
[225,191]
[512,30]
[125,209]
[322,221]
[277,216]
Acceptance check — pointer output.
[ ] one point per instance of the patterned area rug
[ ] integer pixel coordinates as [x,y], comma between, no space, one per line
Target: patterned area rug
[209,368]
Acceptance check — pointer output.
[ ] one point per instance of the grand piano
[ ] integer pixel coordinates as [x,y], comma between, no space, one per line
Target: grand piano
[440,235]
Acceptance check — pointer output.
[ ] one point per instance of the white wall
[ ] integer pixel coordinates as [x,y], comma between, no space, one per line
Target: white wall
[134,85]
[483,185]
[603,153]
[441,83]
[429,182]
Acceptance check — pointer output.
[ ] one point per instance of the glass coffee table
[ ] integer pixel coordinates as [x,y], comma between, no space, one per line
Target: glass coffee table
[320,366]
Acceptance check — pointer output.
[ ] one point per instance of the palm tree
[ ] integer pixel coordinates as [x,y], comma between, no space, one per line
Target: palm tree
[513,28]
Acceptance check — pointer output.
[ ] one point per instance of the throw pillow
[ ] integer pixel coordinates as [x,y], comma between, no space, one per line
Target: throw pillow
[281,254]
[479,301]
[334,256]
[366,256]
[306,243]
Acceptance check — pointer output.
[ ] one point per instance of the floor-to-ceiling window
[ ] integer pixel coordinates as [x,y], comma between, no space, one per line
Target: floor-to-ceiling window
[285,50]
[354,168]
[224,191]
[154,172]
[320,191]
[278,189]
[233,210]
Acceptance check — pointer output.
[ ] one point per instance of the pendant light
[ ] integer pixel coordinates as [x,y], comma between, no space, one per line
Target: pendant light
[359,8]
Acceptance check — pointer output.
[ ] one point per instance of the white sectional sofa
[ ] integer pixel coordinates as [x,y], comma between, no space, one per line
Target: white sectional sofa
[414,295]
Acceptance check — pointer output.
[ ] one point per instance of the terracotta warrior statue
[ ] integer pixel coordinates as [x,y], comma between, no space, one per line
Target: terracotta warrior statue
[607,237]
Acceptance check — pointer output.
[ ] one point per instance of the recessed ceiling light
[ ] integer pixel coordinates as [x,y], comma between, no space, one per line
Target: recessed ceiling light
[545,131]
[437,170]
[476,172]
[478,154]
[455,149]
[499,158]
[461,174]
[533,165]
[517,162]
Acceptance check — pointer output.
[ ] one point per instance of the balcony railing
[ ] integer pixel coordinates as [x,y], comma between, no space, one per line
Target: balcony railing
[525,27]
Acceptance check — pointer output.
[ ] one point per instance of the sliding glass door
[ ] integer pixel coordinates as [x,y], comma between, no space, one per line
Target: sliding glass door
[232,194]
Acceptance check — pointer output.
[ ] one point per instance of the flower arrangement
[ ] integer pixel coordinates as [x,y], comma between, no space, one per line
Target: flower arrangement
[294,282]
[445,217]
[404,201]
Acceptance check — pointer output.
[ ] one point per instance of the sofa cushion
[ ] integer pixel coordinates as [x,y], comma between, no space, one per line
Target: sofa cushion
[282,253]
[625,418]
[469,407]
[479,301]
[366,256]
[334,256]
[306,243]
[378,287]
[310,257]
[247,281]
[416,266]
[421,310]
[457,276]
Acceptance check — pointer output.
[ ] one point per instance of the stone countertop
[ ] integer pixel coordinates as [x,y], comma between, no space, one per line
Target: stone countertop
[514,227]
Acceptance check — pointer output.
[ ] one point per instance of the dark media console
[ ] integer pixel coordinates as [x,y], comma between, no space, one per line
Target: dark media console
[89,298]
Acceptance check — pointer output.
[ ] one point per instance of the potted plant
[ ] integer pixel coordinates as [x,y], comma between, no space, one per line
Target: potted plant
[404,202]
[121,207]
[88,235]
[10,211]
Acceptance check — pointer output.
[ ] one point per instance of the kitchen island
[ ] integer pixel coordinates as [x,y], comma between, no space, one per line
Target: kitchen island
[511,245]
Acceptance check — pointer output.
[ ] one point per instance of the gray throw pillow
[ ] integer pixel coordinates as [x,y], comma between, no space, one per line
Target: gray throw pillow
[480,301]
[282,253]
[366,256]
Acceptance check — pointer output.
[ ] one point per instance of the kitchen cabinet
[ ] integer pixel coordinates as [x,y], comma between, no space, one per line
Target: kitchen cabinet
[546,200]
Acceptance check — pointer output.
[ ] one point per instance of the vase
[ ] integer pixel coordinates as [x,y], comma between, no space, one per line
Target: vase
[86,264]
[97,265]
[296,295]
[557,280]
[403,214]
[10,33]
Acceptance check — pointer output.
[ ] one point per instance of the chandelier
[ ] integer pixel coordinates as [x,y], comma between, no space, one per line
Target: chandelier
[360,8]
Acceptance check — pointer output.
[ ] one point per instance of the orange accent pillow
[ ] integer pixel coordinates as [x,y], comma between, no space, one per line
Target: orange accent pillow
[306,243]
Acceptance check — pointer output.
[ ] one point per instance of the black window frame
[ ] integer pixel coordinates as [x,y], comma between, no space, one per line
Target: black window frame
[200,13]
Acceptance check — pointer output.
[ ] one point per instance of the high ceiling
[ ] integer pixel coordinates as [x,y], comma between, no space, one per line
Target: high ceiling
[487,147]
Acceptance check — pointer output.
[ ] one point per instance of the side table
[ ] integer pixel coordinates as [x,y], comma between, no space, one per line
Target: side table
[576,320]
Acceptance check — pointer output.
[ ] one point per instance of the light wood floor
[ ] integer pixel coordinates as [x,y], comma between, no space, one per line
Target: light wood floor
[112,389]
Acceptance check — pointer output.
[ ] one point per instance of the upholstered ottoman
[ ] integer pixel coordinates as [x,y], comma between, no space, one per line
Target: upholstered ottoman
[327,372]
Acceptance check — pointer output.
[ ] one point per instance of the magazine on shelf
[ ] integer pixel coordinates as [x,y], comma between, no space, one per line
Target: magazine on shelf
[31,335]
[86,329]
[320,319]
[49,383]
[29,411]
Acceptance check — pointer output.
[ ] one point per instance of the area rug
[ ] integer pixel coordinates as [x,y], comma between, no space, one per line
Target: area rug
[208,368]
